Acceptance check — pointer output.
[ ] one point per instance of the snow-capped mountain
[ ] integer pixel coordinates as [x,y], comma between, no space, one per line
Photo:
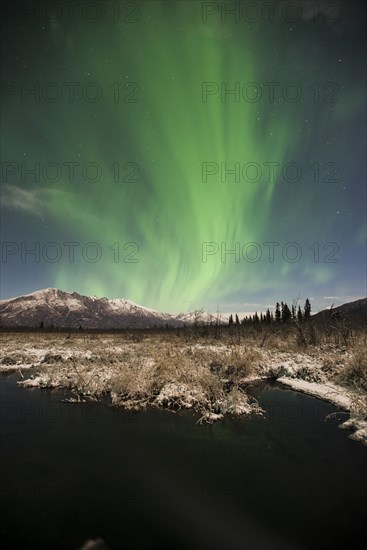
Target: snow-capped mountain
[201,318]
[59,309]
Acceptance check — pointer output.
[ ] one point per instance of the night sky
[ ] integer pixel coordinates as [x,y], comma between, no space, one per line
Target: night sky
[182,156]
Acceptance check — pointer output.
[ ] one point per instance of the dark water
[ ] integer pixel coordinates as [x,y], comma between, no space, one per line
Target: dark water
[157,480]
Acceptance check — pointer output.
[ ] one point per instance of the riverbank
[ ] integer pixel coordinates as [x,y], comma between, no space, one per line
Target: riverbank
[256,480]
[213,379]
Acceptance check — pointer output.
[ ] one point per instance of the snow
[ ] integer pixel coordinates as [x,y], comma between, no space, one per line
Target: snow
[36,382]
[338,396]
[328,392]
[131,306]
[201,317]
[171,393]
[358,427]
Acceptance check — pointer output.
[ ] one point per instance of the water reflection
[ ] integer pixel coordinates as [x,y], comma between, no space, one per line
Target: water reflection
[156,479]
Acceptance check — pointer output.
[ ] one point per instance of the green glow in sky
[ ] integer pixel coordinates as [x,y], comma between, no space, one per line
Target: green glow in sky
[168,134]
[173,130]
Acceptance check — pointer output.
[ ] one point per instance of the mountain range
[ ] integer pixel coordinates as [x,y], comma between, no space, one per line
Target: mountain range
[53,308]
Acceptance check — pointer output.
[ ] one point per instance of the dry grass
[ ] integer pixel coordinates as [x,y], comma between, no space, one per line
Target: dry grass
[177,378]
[354,373]
[177,370]
[156,370]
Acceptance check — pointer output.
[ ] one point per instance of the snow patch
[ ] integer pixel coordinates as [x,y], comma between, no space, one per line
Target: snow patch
[338,396]
[330,392]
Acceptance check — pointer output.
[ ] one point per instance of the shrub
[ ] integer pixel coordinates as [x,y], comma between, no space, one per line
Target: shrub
[355,372]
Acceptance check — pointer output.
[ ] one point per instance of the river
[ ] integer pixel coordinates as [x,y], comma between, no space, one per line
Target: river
[155,479]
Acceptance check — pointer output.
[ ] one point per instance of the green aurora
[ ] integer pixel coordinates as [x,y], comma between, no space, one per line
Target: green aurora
[162,62]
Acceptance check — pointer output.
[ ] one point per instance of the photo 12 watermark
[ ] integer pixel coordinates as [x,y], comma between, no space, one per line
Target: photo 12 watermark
[91,12]
[269,252]
[269,172]
[269,11]
[69,251]
[68,171]
[271,92]
[69,92]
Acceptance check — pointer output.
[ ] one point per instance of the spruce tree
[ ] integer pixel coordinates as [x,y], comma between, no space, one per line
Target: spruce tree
[286,313]
[307,309]
[230,320]
[268,317]
[277,313]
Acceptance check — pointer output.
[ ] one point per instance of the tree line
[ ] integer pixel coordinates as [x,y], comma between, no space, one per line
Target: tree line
[282,314]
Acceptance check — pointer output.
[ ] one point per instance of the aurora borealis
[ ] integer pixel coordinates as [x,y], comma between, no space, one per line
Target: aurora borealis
[139,113]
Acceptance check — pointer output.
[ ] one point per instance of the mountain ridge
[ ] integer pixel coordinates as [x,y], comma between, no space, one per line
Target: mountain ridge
[54,308]
[357,309]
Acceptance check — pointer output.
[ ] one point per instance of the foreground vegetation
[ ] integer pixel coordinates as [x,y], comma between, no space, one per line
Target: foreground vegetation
[208,369]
